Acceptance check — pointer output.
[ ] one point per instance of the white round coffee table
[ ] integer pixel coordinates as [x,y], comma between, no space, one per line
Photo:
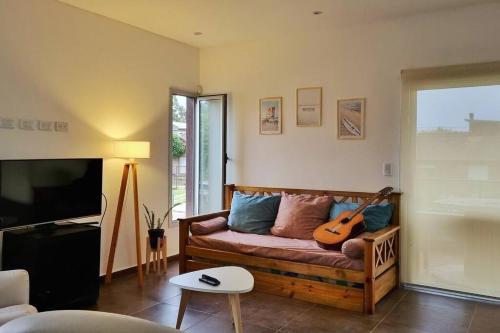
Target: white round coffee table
[233,281]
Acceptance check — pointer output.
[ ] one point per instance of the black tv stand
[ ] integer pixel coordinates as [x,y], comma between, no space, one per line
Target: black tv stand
[63,263]
[43,226]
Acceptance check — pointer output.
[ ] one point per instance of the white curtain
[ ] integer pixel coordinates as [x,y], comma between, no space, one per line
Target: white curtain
[451,178]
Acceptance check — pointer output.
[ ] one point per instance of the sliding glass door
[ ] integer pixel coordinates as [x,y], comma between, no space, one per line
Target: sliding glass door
[451,184]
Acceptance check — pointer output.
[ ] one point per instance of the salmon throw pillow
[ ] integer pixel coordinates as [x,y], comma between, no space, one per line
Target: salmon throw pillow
[209,226]
[299,215]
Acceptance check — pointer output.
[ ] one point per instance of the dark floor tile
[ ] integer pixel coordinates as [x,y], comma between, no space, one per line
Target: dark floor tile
[268,310]
[387,304]
[222,325]
[431,313]
[123,296]
[325,319]
[158,288]
[204,302]
[166,314]
[396,328]
[437,301]
[486,318]
[400,311]
[123,304]
[172,268]
[487,310]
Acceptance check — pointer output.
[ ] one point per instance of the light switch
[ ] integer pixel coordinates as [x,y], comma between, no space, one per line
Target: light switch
[387,169]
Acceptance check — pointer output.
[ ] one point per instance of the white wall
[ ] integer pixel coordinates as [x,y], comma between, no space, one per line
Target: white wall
[108,80]
[364,61]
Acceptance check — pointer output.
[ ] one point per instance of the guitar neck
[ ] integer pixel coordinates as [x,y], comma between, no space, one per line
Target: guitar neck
[366,204]
[362,207]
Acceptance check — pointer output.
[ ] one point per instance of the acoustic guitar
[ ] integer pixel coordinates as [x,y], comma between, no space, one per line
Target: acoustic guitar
[348,224]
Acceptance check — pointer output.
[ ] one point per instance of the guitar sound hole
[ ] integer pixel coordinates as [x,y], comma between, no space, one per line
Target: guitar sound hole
[345,221]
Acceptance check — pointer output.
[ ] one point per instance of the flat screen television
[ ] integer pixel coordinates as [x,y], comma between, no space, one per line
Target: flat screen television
[41,191]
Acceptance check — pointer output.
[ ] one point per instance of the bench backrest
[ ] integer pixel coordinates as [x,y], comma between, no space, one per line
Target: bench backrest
[338,196]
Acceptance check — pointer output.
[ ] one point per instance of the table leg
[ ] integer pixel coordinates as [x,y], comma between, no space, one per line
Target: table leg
[182,307]
[234,301]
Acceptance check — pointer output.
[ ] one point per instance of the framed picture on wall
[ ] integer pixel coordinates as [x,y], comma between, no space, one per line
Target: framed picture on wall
[309,103]
[351,118]
[270,115]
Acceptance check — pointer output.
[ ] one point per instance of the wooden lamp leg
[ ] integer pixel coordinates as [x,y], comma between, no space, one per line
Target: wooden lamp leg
[137,226]
[116,228]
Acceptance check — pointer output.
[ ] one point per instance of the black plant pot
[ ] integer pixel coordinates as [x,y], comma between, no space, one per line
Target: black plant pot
[154,234]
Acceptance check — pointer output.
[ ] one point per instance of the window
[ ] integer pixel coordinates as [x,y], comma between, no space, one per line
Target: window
[181,180]
[198,153]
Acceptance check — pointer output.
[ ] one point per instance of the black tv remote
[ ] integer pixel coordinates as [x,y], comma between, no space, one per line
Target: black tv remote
[212,283]
[209,280]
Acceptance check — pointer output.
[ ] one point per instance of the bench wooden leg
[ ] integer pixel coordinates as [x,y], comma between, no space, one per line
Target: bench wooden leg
[369,297]
[369,292]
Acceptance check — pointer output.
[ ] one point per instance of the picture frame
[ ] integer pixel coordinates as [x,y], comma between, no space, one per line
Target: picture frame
[270,115]
[309,106]
[351,119]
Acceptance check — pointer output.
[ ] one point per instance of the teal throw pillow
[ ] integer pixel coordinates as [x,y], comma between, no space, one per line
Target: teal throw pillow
[253,213]
[376,216]
[341,207]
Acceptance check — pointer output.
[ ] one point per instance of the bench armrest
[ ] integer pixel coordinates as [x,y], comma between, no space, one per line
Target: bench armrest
[184,225]
[382,234]
[198,218]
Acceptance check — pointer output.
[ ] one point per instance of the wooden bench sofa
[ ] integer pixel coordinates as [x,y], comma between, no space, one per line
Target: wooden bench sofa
[357,290]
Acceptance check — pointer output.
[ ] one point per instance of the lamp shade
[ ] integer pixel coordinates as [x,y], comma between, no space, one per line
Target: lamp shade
[131,149]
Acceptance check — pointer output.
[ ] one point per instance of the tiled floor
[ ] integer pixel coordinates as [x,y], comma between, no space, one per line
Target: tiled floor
[402,311]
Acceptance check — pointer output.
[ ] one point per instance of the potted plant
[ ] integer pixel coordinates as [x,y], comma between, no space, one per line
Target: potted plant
[155,224]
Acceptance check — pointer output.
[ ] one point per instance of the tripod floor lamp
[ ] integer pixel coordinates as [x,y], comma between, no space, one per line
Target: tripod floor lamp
[131,150]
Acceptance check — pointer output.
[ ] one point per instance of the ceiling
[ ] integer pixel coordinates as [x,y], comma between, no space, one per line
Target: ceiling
[233,21]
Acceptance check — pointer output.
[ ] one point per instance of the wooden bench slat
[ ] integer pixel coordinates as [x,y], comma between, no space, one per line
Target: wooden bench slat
[342,297]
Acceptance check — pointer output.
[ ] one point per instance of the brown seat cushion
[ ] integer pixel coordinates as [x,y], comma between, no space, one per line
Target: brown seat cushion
[208,226]
[274,247]
[299,215]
